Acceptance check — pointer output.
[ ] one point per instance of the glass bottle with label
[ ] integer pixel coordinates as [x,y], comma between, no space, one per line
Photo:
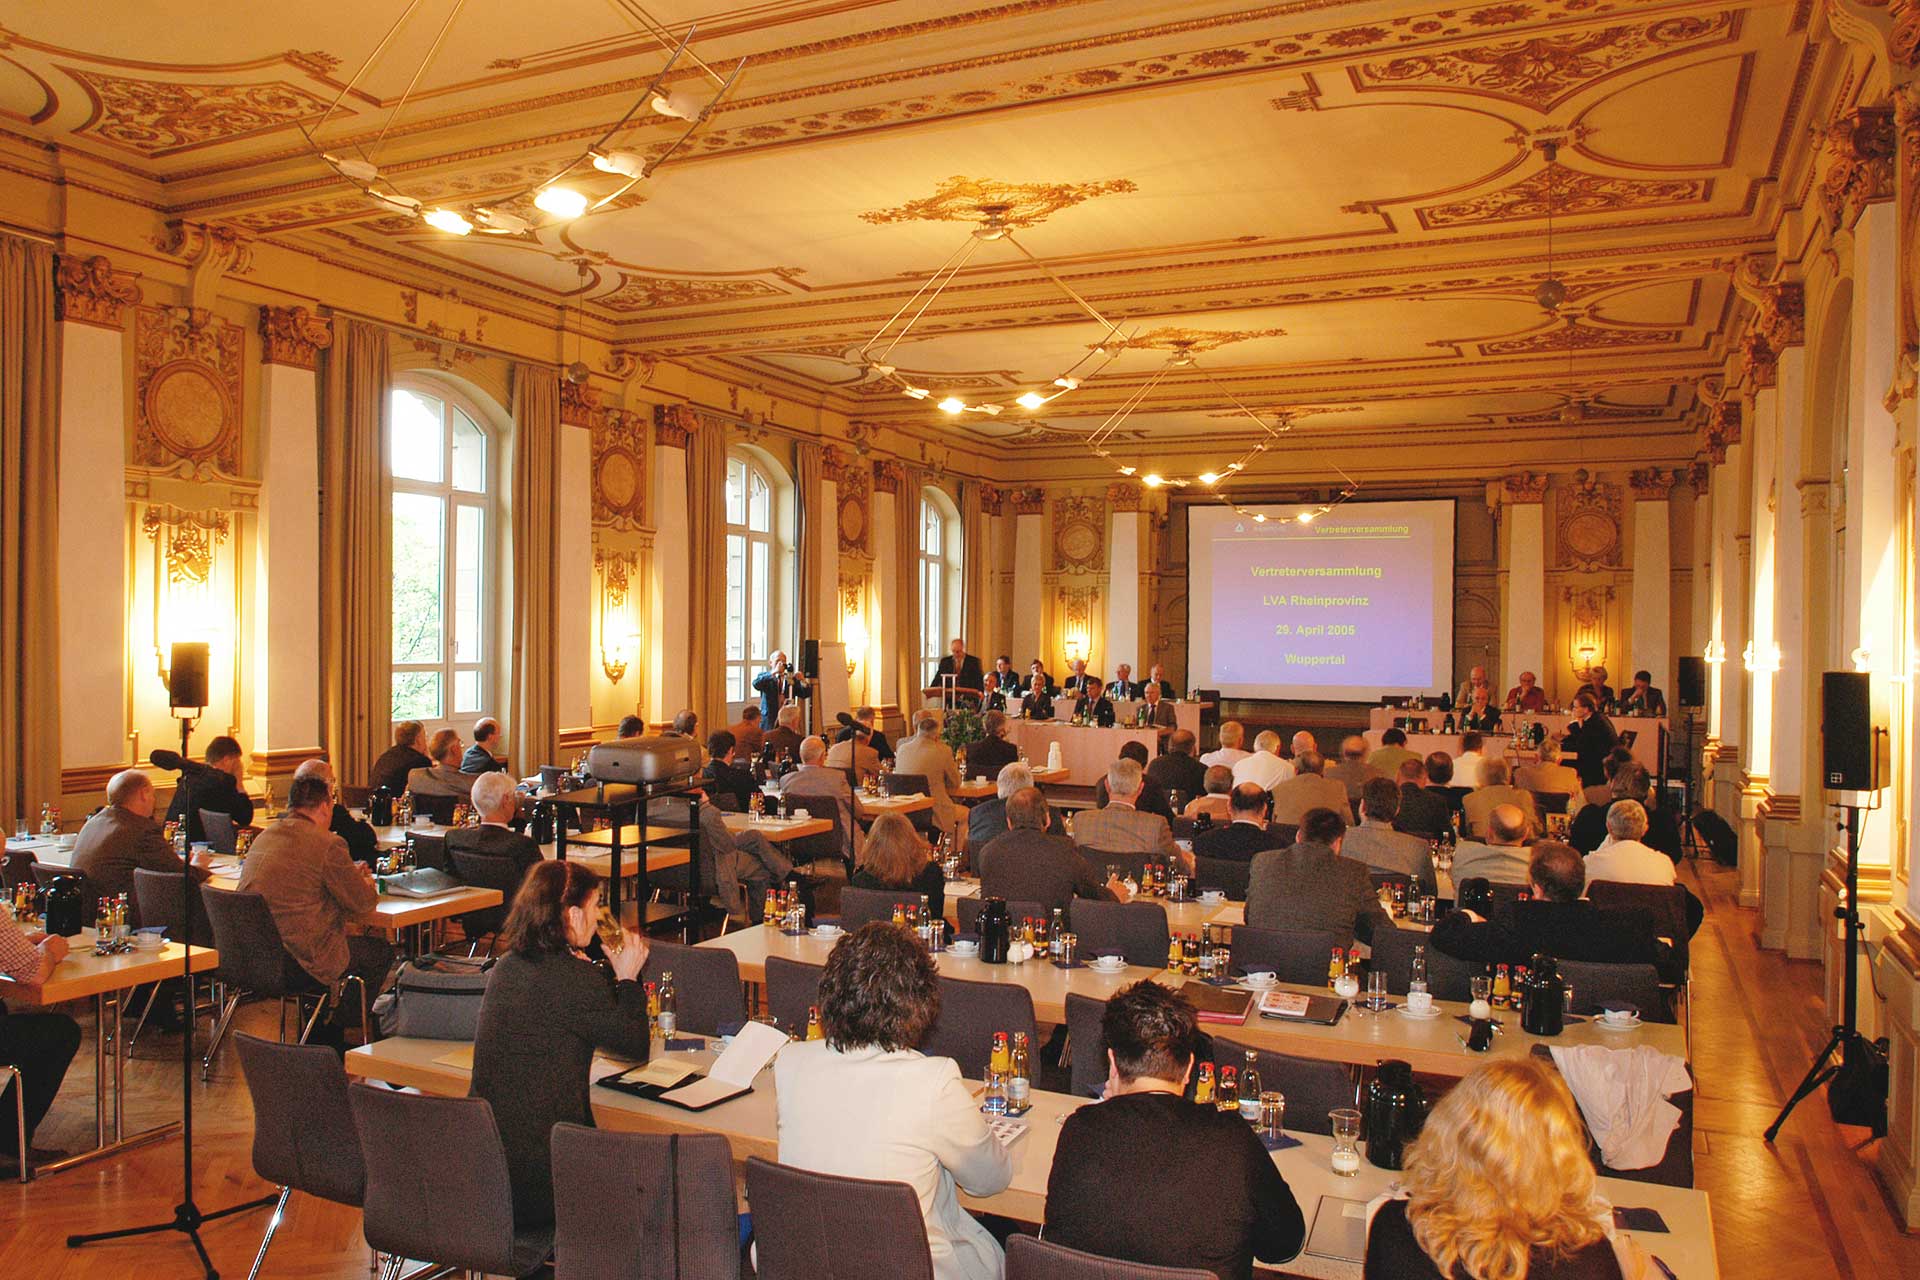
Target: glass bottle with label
[1250,1089]
[669,1007]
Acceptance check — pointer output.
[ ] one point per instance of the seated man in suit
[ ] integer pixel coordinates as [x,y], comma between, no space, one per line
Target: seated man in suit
[1217,803]
[724,777]
[1527,696]
[1177,771]
[1440,783]
[1308,789]
[480,757]
[853,750]
[685,724]
[749,734]
[1077,679]
[863,723]
[1588,830]
[1353,772]
[498,803]
[1123,687]
[630,727]
[1037,668]
[1601,792]
[987,820]
[123,837]
[1481,715]
[1375,842]
[363,845]
[1038,704]
[825,793]
[1503,857]
[987,757]
[741,864]
[1623,858]
[215,787]
[443,776]
[1493,791]
[1392,753]
[1247,834]
[1422,813]
[1153,797]
[1308,885]
[1643,699]
[408,752]
[1028,863]
[1003,681]
[1121,827]
[1093,706]
[1232,734]
[1557,920]
[1156,712]
[925,754]
[1159,676]
[784,738]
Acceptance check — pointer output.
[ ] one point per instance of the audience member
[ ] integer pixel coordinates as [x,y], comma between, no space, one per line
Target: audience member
[1375,842]
[443,776]
[1247,834]
[987,757]
[1028,863]
[547,1009]
[1153,796]
[1466,765]
[39,1045]
[724,777]
[1601,793]
[1232,734]
[1310,886]
[1121,827]
[1502,857]
[1630,782]
[1303,742]
[1392,753]
[1493,792]
[1352,771]
[1103,1198]
[748,733]
[1622,857]
[827,793]
[784,738]
[498,804]
[863,1102]
[215,788]
[122,837]
[852,752]
[1309,789]
[1263,767]
[480,757]
[1588,738]
[408,752]
[925,754]
[363,844]
[863,723]
[685,724]
[1499,1186]
[631,727]
[1217,803]
[1422,812]
[987,819]
[1527,696]
[897,858]
[741,865]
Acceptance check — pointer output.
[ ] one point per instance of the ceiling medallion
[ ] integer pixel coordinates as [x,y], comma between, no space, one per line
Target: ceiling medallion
[1196,341]
[1015,205]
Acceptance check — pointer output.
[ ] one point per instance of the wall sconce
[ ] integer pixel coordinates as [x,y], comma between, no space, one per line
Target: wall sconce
[185,547]
[619,630]
[1756,663]
[1863,656]
[1715,652]
[853,634]
[1076,649]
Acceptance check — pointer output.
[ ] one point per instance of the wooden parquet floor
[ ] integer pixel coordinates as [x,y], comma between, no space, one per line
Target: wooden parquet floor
[1808,1207]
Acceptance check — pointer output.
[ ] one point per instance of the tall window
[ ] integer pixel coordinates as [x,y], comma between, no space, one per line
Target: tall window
[444,515]
[939,580]
[752,577]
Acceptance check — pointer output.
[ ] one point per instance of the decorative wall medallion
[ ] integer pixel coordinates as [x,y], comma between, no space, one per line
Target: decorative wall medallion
[1198,341]
[90,291]
[187,387]
[1541,71]
[1588,523]
[1578,337]
[620,470]
[156,119]
[648,293]
[1568,192]
[186,541]
[1080,535]
[1019,204]
[855,496]
[293,336]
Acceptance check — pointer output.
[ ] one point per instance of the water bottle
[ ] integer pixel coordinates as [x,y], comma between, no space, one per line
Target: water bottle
[669,1006]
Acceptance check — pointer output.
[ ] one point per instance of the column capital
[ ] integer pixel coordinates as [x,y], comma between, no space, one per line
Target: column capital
[889,477]
[1029,502]
[1527,486]
[993,499]
[674,425]
[92,291]
[293,336]
[1125,497]
[1860,146]
[1650,484]
[1698,476]
[579,404]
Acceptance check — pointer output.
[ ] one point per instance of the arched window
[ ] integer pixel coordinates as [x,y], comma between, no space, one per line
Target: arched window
[759,565]
[445,477]
[940,555]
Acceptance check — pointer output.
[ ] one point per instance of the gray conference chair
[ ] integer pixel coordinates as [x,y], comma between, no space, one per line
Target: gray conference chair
[1031,1258]
[1137,930]
[706,982]
[793,986]
[970,1013]
[643,1206]
[815,1226]
[303,1134]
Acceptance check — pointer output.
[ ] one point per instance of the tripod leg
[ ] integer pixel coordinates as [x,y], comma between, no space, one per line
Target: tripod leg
[1816,1076]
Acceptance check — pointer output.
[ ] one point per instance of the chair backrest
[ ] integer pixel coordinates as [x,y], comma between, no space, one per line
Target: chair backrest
[706,982]
[1637,984]
[252,956]
[1296,955]
[157,899]
[303,1134]
[1031,1258]
[1137,930]
[815,1226]
[222,837]
[968,913]
[16,868]
[860,906]
[439,808]
[970,1012]
[485,871]
[642,1206]
[792,986]
[1087,1043]
[1229,875]
[1313,1087]
[909,784]
[1676,912]
[1551,801]
[462,1215]
[1284,833]
[1122,864]
[1447,978]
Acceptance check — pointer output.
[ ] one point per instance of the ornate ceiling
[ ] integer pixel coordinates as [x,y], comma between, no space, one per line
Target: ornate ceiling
[1340,207]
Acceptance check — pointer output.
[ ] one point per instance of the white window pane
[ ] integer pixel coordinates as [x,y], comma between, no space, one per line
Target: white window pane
[760,508]
[469,558]
[736,598]
[466,692]
[759,634]
[736,492]
[419,577]
[416,445]
[469,454]
[736,684]
[416,695]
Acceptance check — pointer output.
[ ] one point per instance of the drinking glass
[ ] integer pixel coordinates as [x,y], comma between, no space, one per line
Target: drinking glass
[19,828]
[1069,947]
[1376,990]
[1273,1114]
[1345,1122]
[995,1102]
[1567,990]
[611,933]
[1481,987]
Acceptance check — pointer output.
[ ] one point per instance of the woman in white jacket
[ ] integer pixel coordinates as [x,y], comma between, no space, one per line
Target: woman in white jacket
[865,1103]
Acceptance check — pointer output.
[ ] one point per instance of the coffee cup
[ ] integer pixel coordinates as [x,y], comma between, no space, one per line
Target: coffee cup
[1619,1017]
[1261,977]
[1420,1002]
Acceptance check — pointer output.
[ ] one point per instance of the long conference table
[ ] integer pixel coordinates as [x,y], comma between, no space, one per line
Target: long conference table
[1645,730]
[750,1125]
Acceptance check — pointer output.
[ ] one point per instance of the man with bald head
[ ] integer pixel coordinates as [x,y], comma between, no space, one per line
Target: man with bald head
[1352,771]
[362,844]
[124,836]
[824,792]
[1476,679]
[1503,857]
[480,757]
[1527,695]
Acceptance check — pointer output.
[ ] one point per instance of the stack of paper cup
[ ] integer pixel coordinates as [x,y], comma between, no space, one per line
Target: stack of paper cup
[1053,756]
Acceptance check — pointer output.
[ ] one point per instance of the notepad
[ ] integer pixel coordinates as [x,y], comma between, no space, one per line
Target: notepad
[732,1072]
[664,1073]
[1339,1229]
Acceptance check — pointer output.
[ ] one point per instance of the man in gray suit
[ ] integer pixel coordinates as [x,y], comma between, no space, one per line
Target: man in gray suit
[1493,792]
[1120,827]
[1504,857]
[1353,772]
[1375,842]
[1308,789]
[1025,863]
[824,792]
[124,836]
[1310,886]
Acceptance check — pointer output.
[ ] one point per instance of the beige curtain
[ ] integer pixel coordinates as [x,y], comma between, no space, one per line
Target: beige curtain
[906,568]
[29,530]
[707,540]
[976,602]
[816,525]
[533,689]
[357,550]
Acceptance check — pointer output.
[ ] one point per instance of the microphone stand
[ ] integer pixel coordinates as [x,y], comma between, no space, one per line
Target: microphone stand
[187,1216]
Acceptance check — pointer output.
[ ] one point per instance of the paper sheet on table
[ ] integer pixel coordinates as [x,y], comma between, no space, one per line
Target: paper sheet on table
[733,1071]
[663,1072]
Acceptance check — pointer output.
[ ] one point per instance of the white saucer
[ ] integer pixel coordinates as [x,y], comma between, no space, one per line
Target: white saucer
[1105,966]
[834,931]
[964,948]
[1431,1013]
[1251,985]
[1616,1026]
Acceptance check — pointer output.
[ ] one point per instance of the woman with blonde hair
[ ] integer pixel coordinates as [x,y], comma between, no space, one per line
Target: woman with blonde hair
[1499,1186]
[896,857]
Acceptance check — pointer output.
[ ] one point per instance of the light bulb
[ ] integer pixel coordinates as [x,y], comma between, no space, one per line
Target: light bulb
[1235,466]
[1305,517]
[991,410]
[1153,480]
[628,164]
[446,220]
[678,106]
[1067,383]
[918,393]
[500,223]
[405,204]
[1030,400]
[1209,477]
[952,404]
[1127,471]
[1259,519]
[561,202]
[359,170]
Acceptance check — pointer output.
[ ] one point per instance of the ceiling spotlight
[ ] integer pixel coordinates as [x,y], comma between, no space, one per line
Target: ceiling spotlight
[1153,480]
[405,204]
[1209,477]
[918,393]
[446,220]
[628,164]
[1031,400]
[952,404]
[499,223]
[1236,466]
[1068,384]
[880,370]
[358,170]
[678,106]
[991,410]
[1127,471]
[1259,519]
[561,202]
[1305,517]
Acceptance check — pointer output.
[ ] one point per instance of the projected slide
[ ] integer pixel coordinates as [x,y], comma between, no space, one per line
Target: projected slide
[1356,604]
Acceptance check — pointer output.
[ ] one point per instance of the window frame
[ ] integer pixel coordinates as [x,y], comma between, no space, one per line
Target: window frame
[762,616]
[939,522]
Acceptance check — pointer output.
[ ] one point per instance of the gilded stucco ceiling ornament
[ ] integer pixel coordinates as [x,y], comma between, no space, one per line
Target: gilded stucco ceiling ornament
[1566,191]
[1574,336]
[1587,520]
[187,391]
[1197,341]
[154,118]
[649,293]
[1020,204]
[620,470]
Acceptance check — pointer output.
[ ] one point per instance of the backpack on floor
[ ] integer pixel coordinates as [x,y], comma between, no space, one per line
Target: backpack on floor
[1722,843]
